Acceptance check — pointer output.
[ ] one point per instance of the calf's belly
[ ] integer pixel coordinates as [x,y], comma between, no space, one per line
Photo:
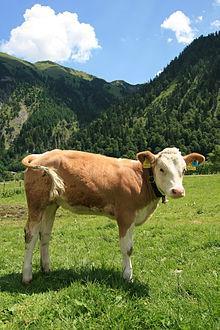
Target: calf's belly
[86,207]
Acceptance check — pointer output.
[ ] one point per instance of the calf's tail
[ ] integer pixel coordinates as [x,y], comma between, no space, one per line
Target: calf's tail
[57,187]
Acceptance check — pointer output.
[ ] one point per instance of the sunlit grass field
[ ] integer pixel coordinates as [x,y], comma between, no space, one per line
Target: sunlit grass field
[175,263]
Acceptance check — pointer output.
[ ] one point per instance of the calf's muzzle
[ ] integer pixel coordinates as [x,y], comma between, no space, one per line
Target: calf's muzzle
[178,192]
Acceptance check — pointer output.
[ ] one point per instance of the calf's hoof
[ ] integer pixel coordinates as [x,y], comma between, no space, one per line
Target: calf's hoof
[45,270]
[45,267]
[26,275]
[26,281]
[129,280]
[127,276]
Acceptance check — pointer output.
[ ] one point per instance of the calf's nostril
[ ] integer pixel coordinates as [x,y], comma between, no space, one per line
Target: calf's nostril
[178,192]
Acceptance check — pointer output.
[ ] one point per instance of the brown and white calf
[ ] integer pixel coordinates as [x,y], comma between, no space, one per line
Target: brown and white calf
[130,190]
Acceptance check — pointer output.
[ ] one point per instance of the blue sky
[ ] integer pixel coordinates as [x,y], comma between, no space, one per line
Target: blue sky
[111,39]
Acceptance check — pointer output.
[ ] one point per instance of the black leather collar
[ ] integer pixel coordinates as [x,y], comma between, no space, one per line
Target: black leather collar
[154,186]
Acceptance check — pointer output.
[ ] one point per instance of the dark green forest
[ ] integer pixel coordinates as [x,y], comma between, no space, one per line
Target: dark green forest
[45,106]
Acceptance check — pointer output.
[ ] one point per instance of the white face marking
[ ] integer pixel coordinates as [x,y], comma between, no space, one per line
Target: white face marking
[145,213]
[168,172]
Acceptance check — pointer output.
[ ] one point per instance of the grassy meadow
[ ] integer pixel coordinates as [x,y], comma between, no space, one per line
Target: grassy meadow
[175,263]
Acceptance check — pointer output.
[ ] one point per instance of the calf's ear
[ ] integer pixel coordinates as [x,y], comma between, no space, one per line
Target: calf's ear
[147,158]
[194,157]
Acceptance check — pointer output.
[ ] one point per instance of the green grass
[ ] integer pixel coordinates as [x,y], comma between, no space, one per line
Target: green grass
[12,193]
[175,265]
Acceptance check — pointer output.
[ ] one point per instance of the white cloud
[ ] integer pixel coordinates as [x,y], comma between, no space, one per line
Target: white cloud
[169,40]
[216,24]
[179,23]
[45,35]
[217,2]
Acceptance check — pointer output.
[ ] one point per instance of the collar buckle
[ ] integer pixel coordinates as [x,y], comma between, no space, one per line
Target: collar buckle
[151,179]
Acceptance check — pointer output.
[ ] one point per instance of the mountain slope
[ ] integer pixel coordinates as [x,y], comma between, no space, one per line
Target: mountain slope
[45,105]
[40,101]
[179,108]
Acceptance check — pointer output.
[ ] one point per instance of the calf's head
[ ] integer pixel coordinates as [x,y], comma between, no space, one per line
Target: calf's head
[168,168]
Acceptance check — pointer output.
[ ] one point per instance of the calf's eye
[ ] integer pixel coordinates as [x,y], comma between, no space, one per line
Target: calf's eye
[161,170]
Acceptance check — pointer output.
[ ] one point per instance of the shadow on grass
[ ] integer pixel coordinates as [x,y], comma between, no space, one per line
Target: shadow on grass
[62,278]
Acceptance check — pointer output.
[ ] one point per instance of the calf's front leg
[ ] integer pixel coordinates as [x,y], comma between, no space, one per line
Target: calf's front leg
[126,245]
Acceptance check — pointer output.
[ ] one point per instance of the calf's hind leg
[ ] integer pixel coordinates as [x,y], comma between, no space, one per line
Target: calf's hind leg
[31,235]
[45,234]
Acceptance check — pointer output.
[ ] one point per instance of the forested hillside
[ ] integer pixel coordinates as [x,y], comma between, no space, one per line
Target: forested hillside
[45,105]
[42,104]
[179,108]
